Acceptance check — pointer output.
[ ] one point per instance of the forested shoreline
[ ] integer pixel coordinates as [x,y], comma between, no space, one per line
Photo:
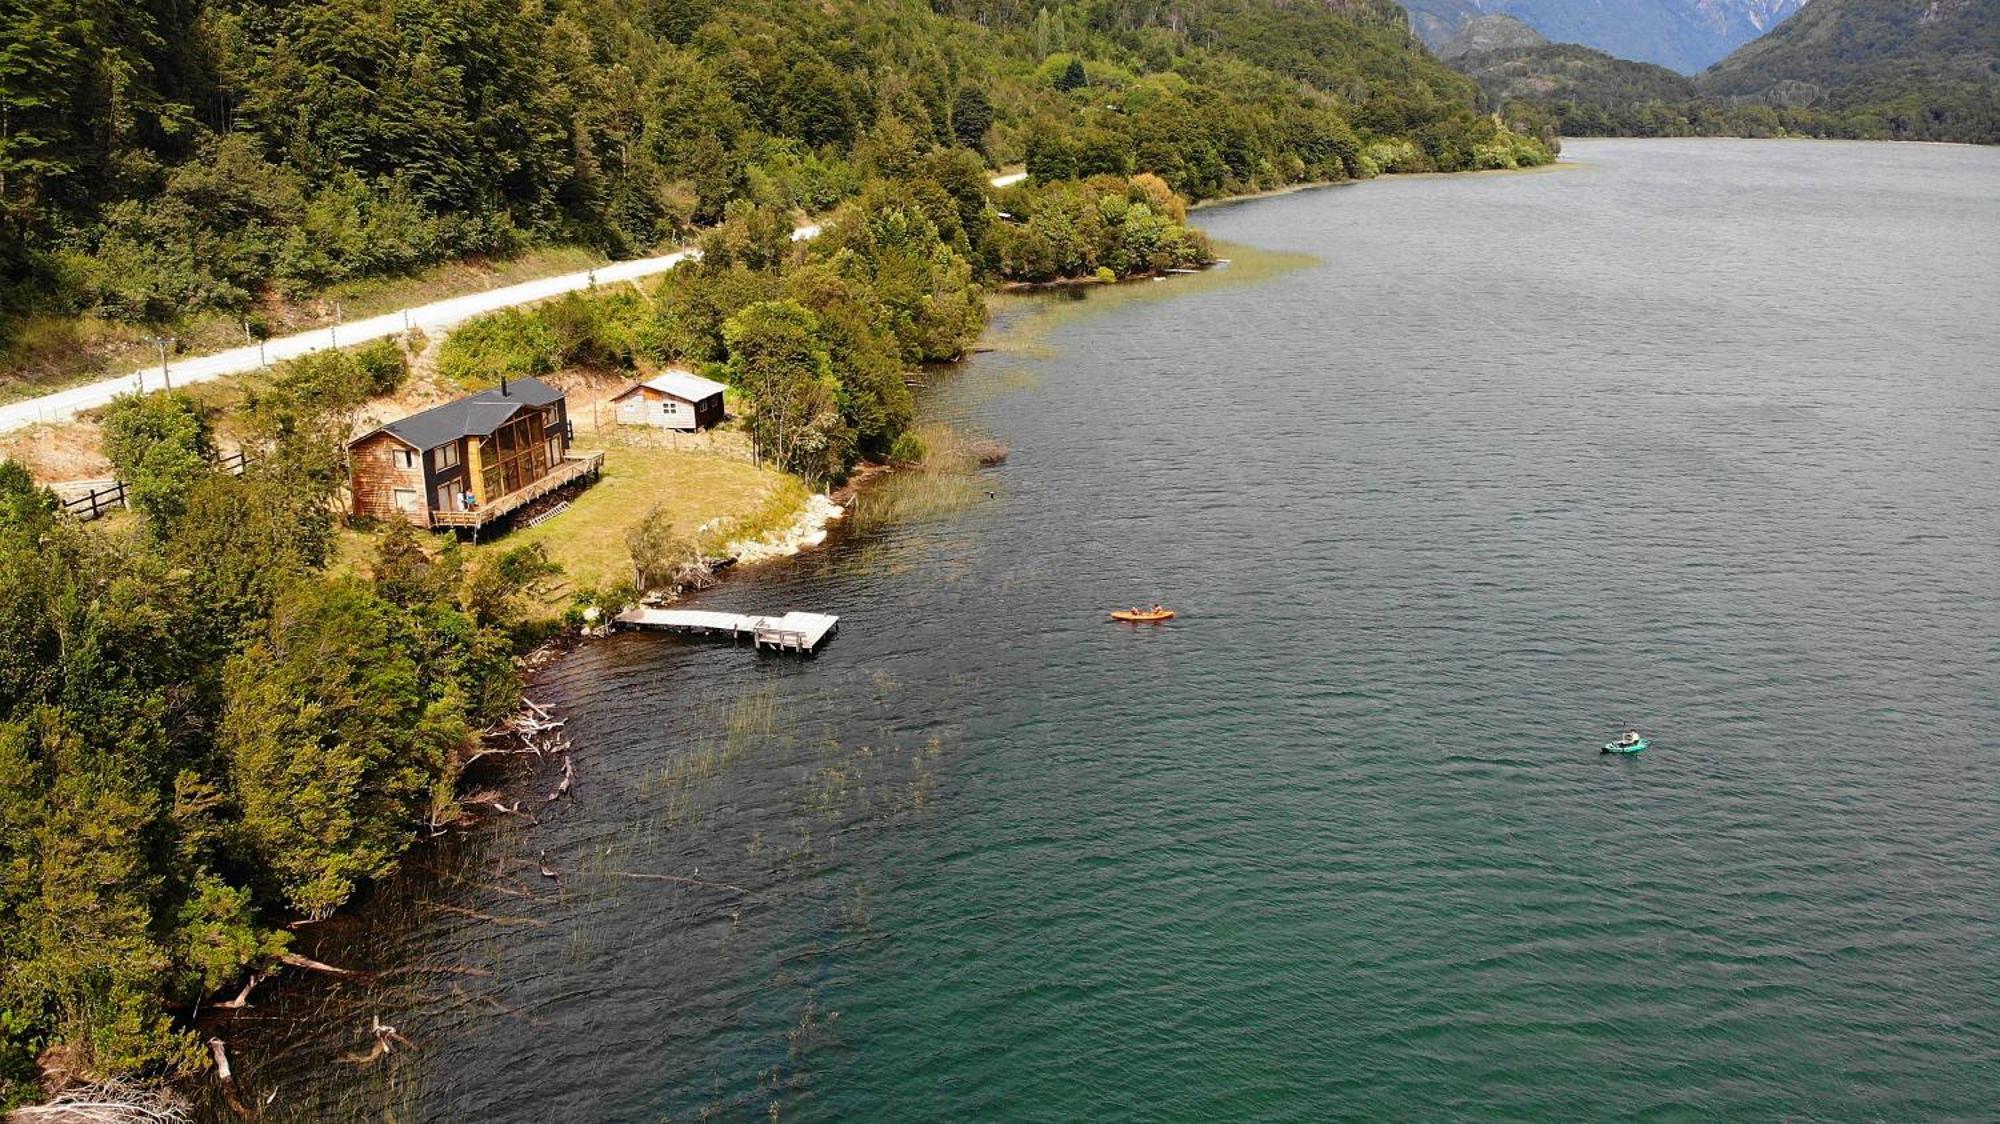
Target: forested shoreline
[155,166]
[207,728]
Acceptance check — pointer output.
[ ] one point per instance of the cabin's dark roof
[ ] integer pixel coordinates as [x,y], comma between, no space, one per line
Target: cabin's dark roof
[475,415]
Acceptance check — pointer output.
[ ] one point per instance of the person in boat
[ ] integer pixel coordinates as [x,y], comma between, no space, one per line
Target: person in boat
[1631,738]
[1158,608]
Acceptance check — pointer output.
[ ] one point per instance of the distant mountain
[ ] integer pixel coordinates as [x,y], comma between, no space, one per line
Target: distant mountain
[1684,35]
[1489,33]
[1436,21]
[1877,69]
[1855,52]
[1553,73]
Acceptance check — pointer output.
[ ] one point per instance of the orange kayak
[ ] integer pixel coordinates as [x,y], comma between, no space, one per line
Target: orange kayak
[1141,617]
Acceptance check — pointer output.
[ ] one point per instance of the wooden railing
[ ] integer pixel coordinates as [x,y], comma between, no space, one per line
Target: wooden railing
[105,498]
[573,468]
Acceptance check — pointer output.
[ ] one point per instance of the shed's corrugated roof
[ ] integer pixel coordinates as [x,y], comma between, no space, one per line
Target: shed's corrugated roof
[475,415]
[682,384]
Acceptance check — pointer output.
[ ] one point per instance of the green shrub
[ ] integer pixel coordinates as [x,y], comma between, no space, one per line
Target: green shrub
[512,343]
[162,446]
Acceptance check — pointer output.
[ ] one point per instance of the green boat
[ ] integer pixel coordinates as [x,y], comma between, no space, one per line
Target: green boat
[1628,750]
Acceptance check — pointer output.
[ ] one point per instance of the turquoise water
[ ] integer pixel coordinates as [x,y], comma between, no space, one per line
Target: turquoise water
[1701,436]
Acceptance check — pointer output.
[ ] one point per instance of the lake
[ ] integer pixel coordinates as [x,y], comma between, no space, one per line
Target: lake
[1450,479]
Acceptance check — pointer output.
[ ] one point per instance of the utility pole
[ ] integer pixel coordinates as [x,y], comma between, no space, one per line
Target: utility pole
[332,333]
[165,375]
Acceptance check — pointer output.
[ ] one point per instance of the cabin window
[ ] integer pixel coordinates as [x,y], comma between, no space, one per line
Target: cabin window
[670,407]
[445,457]
[406,458]
[406,499]
[447,499]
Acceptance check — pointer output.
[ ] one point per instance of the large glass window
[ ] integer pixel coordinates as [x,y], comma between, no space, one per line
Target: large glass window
[517,455]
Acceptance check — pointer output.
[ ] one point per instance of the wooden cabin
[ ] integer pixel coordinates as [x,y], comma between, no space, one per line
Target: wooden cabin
[468,462]
[672,399]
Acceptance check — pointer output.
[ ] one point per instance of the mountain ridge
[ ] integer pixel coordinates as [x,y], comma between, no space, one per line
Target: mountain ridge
[1682,35]
[1862,69]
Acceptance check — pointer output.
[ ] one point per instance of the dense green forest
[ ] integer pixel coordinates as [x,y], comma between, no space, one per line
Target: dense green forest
[205,728]
[164,157]
[202,732]
[1859,69]
[1906,69]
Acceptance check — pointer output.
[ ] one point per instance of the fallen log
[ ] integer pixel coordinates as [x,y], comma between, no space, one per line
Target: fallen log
[309,964]
[242,999]
[110,1102]
[227,1079]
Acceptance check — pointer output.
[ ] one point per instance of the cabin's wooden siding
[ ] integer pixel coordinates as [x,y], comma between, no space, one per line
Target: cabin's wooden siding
[375,479]
[641,406]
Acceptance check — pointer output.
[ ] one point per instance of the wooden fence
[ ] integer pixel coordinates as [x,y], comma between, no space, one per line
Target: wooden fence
[104,499]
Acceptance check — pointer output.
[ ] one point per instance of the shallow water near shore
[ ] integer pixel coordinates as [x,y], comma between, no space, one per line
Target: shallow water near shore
[1698,435]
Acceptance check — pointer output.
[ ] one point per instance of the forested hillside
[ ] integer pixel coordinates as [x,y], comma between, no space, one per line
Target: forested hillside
[1863,69]
[1922,69]
[163,157]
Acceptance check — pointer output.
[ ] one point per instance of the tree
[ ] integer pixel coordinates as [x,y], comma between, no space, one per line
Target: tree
[778,363]
[404,573]
[971,116]
[1050,156]
[661,554]
[36,57]
[1072,76]
[161,446]
[333,745]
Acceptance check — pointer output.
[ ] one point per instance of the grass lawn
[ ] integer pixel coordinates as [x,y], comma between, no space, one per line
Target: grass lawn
[588,539]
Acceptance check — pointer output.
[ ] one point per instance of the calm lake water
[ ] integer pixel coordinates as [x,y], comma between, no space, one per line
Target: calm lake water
[1698,435]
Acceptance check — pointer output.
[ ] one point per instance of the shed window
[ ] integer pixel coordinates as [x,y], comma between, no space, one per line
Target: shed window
[670,407]
[445,456]
[406,458]
[406,499]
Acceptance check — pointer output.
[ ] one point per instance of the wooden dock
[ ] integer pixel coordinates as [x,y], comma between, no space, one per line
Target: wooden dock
[792,632]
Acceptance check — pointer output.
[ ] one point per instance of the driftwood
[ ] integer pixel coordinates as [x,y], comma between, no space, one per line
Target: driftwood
[563,786]
[242,999]
[523,734]
[548,871]
[384,1035]
[226,1078]
[112,1102]
[311,965]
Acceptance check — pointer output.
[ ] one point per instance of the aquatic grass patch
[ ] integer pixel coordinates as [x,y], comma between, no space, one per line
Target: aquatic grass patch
[942,479]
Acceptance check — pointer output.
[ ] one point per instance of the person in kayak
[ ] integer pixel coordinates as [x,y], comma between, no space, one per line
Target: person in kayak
[1631,738]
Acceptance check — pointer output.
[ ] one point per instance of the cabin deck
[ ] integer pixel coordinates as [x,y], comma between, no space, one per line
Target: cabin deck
[792,632]
[573,468]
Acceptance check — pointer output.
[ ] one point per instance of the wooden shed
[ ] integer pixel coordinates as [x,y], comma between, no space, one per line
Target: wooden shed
[672,399]
[469,461]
